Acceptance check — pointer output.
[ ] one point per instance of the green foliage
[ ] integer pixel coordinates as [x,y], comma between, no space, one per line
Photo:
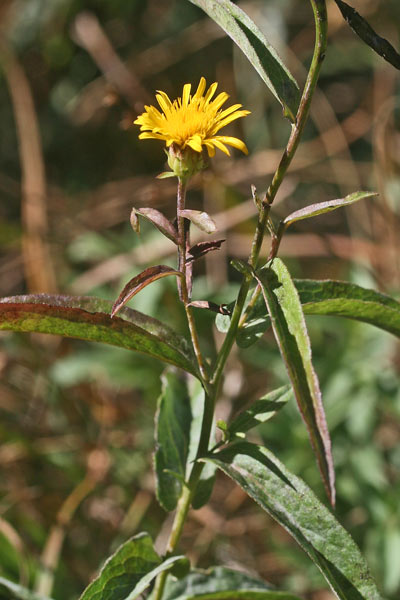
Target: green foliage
[284,307]
[129,571]
[13,591]
[219,583]
[173,421]
[79,317]
[260,53]
[288,500]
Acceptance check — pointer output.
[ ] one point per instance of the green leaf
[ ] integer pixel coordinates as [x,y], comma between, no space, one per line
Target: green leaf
[157,219]
[364,30]
[174,563]
[260,53]
[221,583]
[327,297]
[323,207]
[343,299]
[290,331]
[123,570]
[87,318]
[173,420]
[260,411]
[291,502]
[207,477]
[13,591]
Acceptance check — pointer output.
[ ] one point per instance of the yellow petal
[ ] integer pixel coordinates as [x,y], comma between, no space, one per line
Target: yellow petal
[219,100]
[200,88]
[217,142]
[186,94]
[232,141]
[210,93]
[210,149]
[195,143]
[164,101]
[229,119]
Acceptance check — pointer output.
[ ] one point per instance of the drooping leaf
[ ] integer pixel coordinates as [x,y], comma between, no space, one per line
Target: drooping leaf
[13,591]
[322,207]
[364,30]
[288,324]
[291,502]
[173,422]
[158,219]
[89,319]
[207,477]
[263,57]
[123,570]
[201,219]
[139,282]
[343,299]
[221,583]
[203,248]
[260,411]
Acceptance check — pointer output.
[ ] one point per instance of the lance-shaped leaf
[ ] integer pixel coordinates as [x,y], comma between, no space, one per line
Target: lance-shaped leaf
[158,220]
[329,297]
[264,58]
[220,583]
[364,30]
[323,207]
[139,282]
[89,319]
[340,298]
[173,421]
[200,218]
[129,571]
[13,591]
[291,502]
[260,411]
[207,477]
[202,248]
[290,331]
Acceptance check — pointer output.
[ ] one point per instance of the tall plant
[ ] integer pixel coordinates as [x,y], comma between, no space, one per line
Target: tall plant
[187,455]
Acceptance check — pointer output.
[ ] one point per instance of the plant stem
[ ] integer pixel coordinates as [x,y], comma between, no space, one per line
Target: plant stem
[321,30]
[183,283]
[320,16]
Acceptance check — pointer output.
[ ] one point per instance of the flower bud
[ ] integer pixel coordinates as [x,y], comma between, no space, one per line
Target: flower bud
[185,162]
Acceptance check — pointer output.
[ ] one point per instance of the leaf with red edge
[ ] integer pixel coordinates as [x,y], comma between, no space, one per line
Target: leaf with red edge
[139,282]
[158,220]
[202,248]
[290,331]
[89,318]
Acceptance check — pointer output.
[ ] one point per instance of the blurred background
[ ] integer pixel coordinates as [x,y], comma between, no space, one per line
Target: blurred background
[77,419]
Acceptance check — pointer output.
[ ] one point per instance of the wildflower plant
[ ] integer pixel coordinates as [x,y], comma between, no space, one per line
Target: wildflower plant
[190,450]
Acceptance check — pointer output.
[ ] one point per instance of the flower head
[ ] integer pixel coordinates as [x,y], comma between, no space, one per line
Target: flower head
[192,121]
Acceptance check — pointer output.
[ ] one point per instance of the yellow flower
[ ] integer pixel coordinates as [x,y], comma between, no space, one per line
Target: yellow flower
[192,121]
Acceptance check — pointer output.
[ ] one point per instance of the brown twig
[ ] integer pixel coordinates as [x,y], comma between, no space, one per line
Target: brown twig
[38,265]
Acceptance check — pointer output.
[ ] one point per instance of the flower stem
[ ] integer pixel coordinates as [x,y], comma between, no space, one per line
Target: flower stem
[184,283]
